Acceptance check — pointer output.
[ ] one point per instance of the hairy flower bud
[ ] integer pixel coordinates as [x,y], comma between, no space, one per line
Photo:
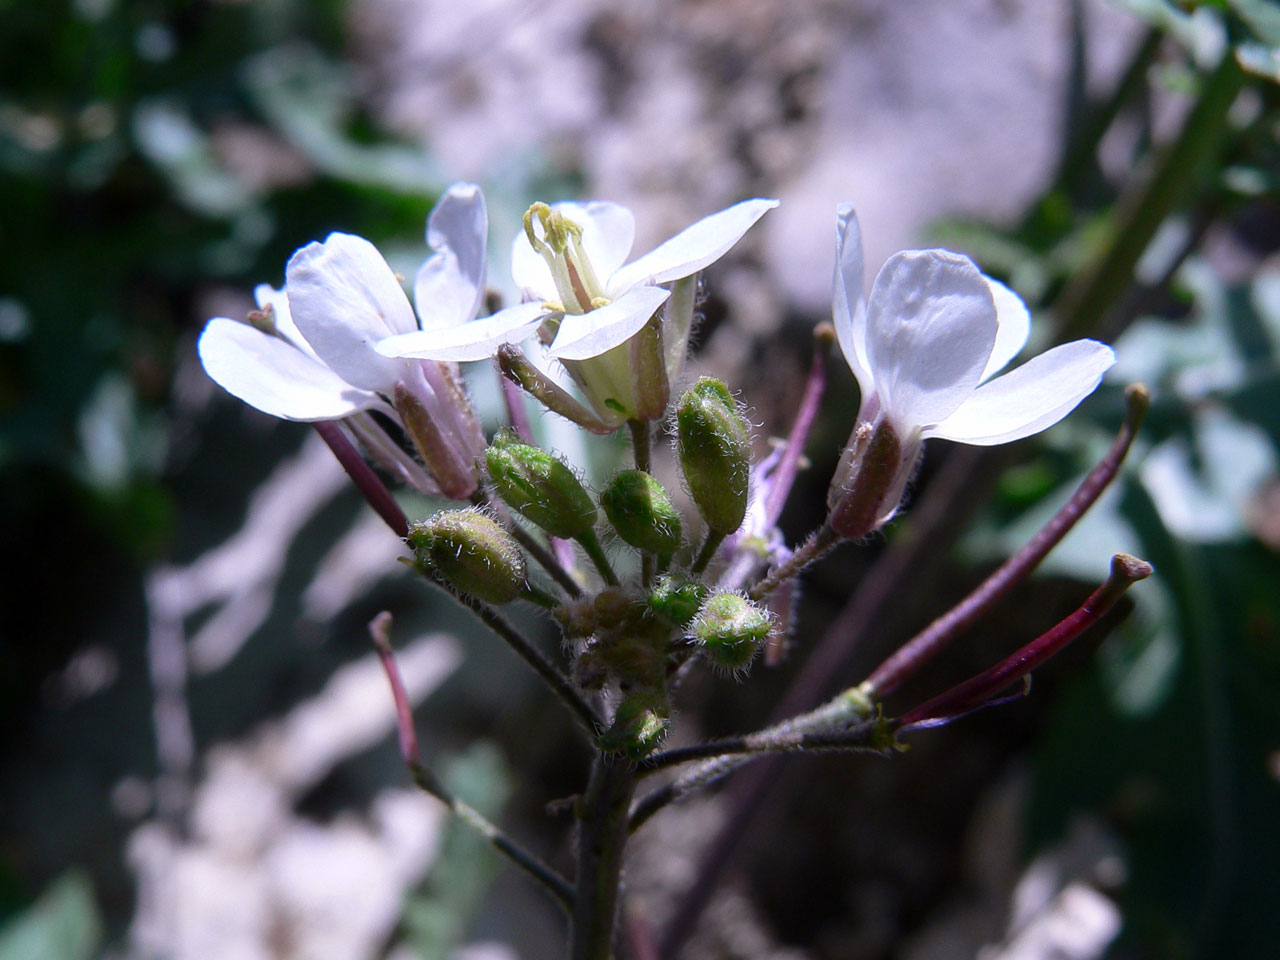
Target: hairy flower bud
[540,487]
[642,513]
[730,628]
[676,599]
[471,552]
[714,446]
[639,725]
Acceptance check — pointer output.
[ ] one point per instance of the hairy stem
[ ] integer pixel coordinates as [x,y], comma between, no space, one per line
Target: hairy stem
[601,841]
[428,782]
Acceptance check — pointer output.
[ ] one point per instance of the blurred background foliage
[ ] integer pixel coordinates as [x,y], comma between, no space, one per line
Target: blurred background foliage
[158,159]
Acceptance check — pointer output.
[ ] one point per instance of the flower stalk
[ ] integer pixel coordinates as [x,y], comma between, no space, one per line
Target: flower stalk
[985,687]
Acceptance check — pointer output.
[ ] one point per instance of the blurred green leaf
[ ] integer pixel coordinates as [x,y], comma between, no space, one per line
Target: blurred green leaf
[62,925]
[309,100]
[438,918]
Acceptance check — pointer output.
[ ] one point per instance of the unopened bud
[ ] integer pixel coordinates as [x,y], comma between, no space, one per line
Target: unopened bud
[677,600]
[730,629]
[540,487]
[714,445]
[639,725]
[472,553]
[642,513]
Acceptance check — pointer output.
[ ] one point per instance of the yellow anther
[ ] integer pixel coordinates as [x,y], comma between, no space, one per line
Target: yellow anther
[542,212]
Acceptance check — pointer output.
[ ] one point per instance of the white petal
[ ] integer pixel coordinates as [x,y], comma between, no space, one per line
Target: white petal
[1013,321]
[848,309]
[1031,398]
[477,340]
[692,248]
[608,232]
[450,284]
[931,324]
[265,296]
[344,298]
[585,335]
[274,376]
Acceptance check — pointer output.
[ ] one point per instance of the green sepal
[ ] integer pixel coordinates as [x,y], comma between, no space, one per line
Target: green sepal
[540,487]
[471,552]
[642,513]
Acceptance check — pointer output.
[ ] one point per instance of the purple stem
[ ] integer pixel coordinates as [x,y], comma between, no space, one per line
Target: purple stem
[931,641]
[784,475]
[380,631]
[513,397]
[980,690]
[367,482]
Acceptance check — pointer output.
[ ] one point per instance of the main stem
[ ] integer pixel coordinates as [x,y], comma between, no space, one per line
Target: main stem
[601,840]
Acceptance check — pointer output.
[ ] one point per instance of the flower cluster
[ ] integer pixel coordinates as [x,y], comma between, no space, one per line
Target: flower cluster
[341,342]
[342,345]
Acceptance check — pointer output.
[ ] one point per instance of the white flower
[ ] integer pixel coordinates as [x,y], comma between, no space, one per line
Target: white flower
[610,299]
[570,264]
[312,352]
[926,349]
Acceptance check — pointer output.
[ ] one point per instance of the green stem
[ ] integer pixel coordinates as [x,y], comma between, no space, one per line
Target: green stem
[590,544]
[601,842]
[837,724]
[427,781]
[640,444]
[555,884]
[540,597]
[561,685]
[709,548]
[1140,211]
[823,540]
[545,559]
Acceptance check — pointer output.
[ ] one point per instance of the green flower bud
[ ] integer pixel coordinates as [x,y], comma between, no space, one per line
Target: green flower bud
[639,725]
[540,487]
[677,600]
[471,552]
[642,513]
[730,628]
[714,441]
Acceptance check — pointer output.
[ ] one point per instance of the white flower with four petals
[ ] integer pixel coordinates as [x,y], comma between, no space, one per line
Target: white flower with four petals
[570,264]
[926,348]
[313,354]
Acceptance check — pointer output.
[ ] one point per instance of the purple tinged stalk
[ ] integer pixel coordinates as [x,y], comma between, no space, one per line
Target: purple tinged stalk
[931,641]
[380,632]
[978,691]
[784,475]
[517,416]
[369,484]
